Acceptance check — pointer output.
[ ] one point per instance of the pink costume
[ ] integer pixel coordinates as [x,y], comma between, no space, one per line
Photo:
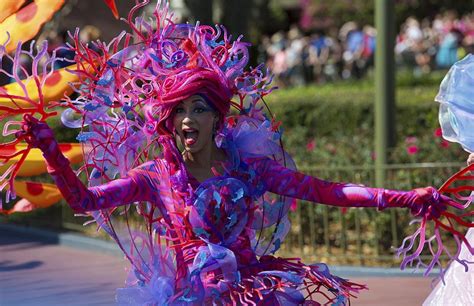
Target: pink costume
[214,234]
[208,242]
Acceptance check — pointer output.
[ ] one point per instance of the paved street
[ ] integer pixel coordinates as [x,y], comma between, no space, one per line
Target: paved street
[41,273]
[393,291]
[38,272]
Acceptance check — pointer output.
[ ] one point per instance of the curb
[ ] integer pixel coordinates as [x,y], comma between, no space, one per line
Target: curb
[73,240]
[97,245]
[355,271]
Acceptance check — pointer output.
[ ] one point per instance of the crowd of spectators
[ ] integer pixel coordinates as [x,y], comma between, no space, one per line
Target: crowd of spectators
[348,52]
[436,43]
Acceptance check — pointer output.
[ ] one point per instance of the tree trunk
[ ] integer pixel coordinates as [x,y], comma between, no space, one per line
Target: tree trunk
[237,15]
[200,10]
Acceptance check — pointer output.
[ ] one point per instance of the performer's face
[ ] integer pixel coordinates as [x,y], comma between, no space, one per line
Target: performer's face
[194,121]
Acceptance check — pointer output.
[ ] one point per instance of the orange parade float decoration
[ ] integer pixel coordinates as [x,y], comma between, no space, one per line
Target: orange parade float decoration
[55,87]
[32,93]
[34,163]
[34,195]
[25,24]
[8,7]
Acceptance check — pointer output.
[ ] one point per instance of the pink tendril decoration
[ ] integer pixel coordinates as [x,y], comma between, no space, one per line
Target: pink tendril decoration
[37,71]
[447,223]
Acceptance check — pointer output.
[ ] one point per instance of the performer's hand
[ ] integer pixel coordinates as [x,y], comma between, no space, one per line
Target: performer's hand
[429,202]
[37,134]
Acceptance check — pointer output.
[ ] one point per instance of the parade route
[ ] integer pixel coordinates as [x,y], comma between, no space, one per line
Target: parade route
[36,273]
[40,270]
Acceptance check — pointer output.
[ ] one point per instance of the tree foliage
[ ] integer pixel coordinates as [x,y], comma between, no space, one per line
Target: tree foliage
[362,11]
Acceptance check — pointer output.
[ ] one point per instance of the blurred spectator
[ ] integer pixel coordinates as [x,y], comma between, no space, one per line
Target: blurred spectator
[279,67]
[366,59]
[353,41]
[468,41]
[294,57]
[318,56]
[448,49]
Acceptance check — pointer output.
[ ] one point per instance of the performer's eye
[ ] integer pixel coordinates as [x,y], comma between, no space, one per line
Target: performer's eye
[179,110]
[199,110]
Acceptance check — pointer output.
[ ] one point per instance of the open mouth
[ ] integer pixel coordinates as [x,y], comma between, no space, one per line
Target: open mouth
[190,136]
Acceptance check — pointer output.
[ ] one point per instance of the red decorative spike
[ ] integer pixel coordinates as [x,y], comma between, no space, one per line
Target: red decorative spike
[113,7]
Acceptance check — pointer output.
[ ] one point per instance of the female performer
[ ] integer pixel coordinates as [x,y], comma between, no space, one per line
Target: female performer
[211,225]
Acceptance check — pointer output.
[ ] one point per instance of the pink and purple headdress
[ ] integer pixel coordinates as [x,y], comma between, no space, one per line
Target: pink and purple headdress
[130,86]
[165,64]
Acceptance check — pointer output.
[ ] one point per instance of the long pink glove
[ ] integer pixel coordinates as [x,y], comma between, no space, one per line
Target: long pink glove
[283,181]
[427,204]
[79,197]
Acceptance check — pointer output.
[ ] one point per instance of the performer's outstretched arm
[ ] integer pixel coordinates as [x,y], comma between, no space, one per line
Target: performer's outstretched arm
[287,182]
[79,197]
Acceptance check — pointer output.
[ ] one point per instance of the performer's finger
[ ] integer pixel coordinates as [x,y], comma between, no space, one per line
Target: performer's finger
[417,210]
[29,139]
[27,117]
[447,201]
[30,118]
[20,134]
[30,121]
[25,127]
[444,205]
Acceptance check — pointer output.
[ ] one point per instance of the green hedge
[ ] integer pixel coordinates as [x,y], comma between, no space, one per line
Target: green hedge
[332,109]
[334,124]
[343,109]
